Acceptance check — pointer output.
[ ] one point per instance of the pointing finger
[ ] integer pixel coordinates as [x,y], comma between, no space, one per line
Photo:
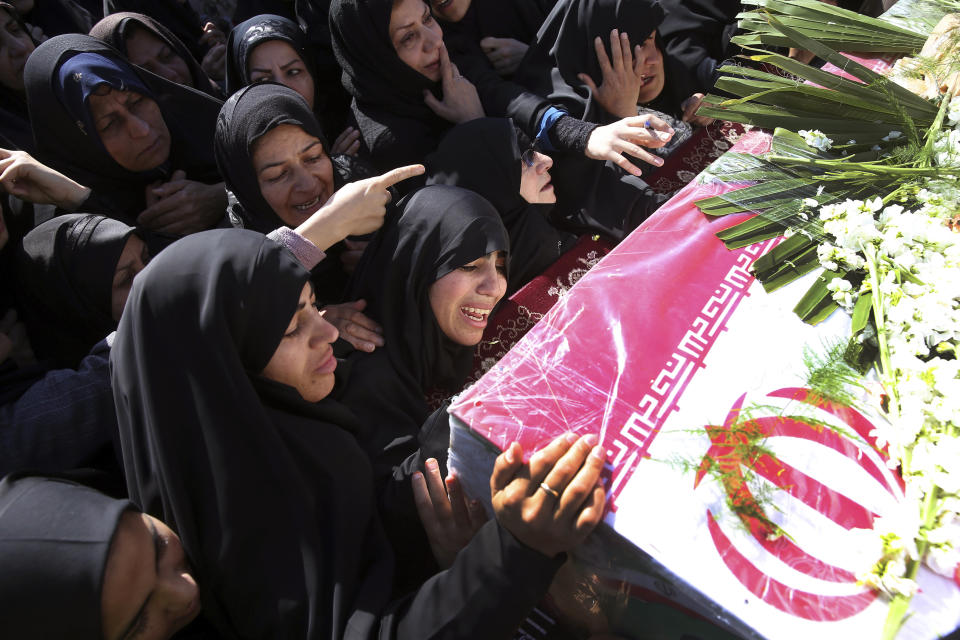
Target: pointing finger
[394,176]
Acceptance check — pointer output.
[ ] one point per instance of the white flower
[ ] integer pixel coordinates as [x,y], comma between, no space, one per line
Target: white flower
[816,139]
[953,111]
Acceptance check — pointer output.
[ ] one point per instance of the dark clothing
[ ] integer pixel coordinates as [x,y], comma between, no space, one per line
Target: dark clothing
[247,9]
[56,17]
[696,37]
[516,19]
[176,15]
[440,229]
[313,18]
[65,272]
[63,144]
[14,118]
[117,27]
[484,156]
[564,48]
[271,495]
[54,420]
[55,537]
[396,126]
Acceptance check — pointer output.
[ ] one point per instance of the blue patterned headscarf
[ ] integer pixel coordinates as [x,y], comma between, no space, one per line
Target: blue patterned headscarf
[82,74]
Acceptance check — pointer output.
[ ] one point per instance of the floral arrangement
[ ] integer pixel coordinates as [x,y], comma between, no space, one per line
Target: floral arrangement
[863,179]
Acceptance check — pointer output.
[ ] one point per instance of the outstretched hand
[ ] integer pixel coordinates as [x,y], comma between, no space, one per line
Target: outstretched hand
[23,176]
[621,78]
[449,519]
[627,136]
[460,103]
[357,208]
[552,503]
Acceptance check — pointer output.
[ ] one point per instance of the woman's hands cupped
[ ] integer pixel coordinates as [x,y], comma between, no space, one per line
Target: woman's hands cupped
[449,519]
[552,503]
[629,136]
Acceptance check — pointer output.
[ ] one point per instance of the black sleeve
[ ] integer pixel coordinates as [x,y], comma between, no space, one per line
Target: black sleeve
[570,134]
[62,420]
[492,586]
[501,98]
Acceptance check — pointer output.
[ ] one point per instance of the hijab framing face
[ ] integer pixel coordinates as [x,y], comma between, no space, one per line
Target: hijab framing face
[55,539]
[372,71]
[245,37]
[246,117]
[440,229]
[118,28]
[60,120]
[269,493]
[66,268]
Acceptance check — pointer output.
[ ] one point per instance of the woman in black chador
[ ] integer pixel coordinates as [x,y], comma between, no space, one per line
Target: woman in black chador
[143,144]
[250,459]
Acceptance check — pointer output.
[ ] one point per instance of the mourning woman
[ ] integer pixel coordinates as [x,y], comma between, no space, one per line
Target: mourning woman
[254,464]
[74,273]
[271,47]
[487,157]
[408,91]
[279,170]
[148,44]
[79,564]
[585,41]
[144,145]
[431,277]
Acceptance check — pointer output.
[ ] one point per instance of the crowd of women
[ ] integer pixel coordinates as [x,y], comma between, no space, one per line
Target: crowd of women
[243,241]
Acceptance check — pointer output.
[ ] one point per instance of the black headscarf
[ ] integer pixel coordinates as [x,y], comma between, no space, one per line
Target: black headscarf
[55,538]
[189,115]
[516,19]
[246,116]
[440,229]
[117,27]
[564,49]
[176,15]
[696,36]
[65,270]
[483,155]
[56,17]
[248,34]
[269,493]
[14,117]
[397,127]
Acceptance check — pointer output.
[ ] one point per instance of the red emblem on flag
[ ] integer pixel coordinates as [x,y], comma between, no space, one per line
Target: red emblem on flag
[730,454]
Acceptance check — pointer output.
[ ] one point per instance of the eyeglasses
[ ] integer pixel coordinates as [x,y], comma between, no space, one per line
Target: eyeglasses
[528,157]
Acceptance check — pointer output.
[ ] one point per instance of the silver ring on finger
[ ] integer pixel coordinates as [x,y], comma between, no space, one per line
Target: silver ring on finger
[547,488]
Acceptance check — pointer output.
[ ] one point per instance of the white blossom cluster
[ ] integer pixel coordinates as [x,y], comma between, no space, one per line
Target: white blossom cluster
[915,258]
[816,139]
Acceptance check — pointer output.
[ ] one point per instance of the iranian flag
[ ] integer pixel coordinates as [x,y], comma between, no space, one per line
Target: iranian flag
[735,493]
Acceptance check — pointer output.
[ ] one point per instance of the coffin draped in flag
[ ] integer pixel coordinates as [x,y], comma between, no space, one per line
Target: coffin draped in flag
[674,355]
